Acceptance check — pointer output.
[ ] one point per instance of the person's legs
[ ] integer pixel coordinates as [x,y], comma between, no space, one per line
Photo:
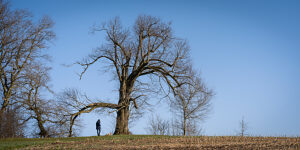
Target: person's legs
[98,132]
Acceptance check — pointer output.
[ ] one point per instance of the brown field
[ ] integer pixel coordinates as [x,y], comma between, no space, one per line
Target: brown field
[171,142]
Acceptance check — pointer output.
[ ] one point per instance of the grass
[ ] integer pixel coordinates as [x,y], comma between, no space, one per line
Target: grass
[153,142]
[15,143]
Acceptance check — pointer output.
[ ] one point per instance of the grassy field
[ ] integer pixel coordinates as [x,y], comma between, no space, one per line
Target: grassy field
[153,142]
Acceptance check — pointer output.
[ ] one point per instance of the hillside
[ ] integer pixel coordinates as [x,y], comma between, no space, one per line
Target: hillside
[153,142]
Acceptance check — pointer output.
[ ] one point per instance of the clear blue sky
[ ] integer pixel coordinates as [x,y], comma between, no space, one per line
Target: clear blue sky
[248,52]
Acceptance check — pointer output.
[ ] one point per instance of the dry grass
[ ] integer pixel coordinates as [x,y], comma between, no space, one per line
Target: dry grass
[169,142]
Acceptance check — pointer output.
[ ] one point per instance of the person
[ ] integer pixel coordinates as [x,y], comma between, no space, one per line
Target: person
[98,127]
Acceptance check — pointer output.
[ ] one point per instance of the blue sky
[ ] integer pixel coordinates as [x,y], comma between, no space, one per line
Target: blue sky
[247,51]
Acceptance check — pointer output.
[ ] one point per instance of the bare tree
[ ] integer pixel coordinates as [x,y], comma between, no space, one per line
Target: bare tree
[158,126]
[243,125]
[193,128]
[192,103]
[45,112]
[21,42]
[148,51]
[175,127]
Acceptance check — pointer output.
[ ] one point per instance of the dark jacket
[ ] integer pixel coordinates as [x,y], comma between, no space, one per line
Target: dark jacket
[98,125]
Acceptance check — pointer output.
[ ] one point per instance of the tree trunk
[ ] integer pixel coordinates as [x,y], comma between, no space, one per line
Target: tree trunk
[4,104]
[122,121]
[123,113]
[185,127]
[43,131]
[70,130]
[72,120]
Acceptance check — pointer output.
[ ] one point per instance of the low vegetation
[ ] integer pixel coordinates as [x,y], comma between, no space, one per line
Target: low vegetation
[153,142]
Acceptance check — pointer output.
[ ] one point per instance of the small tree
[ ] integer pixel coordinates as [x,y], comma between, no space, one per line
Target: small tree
[243,125]
[192,103]
[158,126]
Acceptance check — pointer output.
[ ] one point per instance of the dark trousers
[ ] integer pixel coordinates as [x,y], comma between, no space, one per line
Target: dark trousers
[98,130]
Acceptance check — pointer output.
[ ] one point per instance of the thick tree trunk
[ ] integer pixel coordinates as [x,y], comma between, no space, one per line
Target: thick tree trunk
[122,121]
[43,131]
[123,113]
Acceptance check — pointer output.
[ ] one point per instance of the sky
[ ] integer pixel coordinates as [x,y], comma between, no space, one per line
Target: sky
[247,51]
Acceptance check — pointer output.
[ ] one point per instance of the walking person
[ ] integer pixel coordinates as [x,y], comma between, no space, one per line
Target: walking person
[98,127]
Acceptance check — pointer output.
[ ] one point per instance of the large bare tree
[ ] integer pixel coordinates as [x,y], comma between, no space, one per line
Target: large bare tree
[191,104]
[148,50]
[21,41]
